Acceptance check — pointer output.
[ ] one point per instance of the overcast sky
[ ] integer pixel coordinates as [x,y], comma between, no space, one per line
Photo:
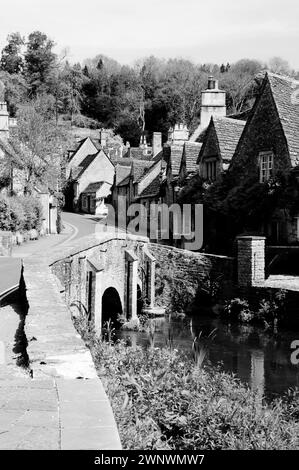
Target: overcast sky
[201,30]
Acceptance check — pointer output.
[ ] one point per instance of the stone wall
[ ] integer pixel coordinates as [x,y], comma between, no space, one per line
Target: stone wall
[182,275]
[5,243]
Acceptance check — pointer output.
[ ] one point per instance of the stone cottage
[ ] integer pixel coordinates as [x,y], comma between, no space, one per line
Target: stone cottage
[268,153]
[91,181]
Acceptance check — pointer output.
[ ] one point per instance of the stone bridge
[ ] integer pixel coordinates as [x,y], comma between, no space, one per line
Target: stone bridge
[114,273]
[107,275]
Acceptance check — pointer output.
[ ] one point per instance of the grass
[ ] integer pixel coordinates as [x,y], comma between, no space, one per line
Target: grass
[163,399]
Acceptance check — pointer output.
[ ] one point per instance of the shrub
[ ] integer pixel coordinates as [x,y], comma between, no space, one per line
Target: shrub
[4,214]
[83,121]
[238,309]
[59,225]
[33,213]
[272,309]
[17,214]
[20,213]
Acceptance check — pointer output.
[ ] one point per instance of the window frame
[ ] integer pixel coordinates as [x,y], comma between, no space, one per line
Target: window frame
[266,165]
[84,201]
[210,169]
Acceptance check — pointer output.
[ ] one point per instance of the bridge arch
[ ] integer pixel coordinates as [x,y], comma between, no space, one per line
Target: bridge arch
[111,306]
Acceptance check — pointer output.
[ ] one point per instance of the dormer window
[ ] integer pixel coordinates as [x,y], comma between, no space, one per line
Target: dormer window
[266,161]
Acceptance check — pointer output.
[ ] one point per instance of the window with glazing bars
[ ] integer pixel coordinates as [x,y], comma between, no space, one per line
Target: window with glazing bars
[266,166]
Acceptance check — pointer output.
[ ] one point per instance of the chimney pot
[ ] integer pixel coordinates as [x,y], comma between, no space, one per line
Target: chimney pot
[211,83]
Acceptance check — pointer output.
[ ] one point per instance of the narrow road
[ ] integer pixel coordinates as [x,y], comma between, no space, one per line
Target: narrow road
[76,226]
[82,224]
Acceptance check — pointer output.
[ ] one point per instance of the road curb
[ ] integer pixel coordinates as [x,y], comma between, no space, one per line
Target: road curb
[73,234]
[7,292]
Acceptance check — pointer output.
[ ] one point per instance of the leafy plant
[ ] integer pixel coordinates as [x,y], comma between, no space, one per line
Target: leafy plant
[20,213]
[238,310]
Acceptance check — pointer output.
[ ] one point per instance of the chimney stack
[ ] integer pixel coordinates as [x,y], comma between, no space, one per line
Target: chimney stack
[213,103]
[178,135]
[157,143]
[103,137]
[143,142]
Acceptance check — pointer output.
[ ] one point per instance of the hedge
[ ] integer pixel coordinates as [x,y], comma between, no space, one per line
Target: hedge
[20,213]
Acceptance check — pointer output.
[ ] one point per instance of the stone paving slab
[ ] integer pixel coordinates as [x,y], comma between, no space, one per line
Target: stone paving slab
[89,438]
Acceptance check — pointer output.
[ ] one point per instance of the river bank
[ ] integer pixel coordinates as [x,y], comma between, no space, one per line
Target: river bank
[164,400]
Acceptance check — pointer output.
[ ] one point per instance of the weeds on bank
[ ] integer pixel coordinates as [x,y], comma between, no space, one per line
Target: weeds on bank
[159,402]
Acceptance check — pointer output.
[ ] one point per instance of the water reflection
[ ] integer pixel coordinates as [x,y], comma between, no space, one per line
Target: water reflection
[260,358]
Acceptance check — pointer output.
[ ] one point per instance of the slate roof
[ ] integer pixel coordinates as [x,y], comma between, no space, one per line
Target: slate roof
[121,173]
[94,187]
[125,181]
[158,156]
[80,143]
[175,158]
[79,170]
[200,136]
[122,161]
[287,104]
[153,189]
[191,153]
[228,133]
[139,168]
[139,154]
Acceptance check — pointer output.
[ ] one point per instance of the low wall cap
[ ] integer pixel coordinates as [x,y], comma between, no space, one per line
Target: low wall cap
[251,237]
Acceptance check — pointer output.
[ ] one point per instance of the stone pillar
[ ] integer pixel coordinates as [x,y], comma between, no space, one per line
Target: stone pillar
[98,293]
[150,276]
[132,272]
[53,215]
[251,261]
[97,269]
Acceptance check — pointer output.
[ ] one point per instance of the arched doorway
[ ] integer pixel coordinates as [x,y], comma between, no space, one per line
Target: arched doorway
[111,307]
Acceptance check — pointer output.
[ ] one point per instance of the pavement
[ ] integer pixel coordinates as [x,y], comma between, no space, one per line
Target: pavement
[59,402]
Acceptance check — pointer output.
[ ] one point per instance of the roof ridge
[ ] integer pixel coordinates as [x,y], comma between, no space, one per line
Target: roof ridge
[229,119]
[283,77]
